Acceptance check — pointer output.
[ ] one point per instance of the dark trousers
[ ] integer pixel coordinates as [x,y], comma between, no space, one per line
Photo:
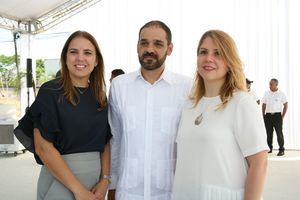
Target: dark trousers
[274,120]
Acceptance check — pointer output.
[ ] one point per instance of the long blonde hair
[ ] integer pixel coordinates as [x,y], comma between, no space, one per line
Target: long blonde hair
[97,82]
[235,78]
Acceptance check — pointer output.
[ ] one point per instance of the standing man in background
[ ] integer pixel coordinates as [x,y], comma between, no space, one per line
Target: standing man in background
[273,114]
[255,97]
[144,111]
[115,73]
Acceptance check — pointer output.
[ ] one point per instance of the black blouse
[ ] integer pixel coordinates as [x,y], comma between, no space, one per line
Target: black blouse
[72,129]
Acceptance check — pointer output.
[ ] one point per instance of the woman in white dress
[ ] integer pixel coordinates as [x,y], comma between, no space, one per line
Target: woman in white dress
[222,149]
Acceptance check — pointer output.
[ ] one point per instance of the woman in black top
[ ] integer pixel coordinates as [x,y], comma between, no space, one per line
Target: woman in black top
[67,126]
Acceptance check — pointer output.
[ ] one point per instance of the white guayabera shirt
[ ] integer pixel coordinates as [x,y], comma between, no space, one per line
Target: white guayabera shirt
[144,119]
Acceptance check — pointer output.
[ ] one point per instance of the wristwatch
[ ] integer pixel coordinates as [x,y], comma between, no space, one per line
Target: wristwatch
[107,177]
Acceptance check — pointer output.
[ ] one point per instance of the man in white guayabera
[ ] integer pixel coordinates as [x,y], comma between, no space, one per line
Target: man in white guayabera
[144,112]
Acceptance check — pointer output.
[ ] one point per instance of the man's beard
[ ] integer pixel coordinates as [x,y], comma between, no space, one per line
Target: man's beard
[153,63]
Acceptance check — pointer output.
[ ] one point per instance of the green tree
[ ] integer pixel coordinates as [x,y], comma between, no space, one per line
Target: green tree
[8,72]
[10,78]
[7,60]
[40,72]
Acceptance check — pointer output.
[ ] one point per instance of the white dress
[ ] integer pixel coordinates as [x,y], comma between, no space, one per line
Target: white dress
[211,162]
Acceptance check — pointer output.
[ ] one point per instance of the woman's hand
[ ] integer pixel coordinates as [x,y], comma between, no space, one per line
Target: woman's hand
[59,168]
[100,189]
[85,195]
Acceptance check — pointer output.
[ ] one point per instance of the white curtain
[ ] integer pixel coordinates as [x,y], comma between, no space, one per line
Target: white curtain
[266,32]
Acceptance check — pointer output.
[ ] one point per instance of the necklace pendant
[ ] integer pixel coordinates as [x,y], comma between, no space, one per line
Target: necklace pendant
[198,119]
[81,91]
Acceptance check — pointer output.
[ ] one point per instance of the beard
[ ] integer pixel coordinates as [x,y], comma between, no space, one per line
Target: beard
[153,63]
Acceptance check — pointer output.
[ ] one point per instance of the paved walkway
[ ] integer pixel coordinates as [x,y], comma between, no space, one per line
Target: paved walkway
[283,178]
[18,177]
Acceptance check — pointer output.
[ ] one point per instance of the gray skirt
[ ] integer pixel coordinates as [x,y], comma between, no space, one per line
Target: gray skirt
[85,166]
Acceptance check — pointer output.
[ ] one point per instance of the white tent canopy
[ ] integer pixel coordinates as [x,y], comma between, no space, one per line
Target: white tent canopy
[34,16]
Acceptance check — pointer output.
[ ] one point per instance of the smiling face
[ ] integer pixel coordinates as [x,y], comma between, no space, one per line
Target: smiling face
[153,48]
[210,63]
[81,59]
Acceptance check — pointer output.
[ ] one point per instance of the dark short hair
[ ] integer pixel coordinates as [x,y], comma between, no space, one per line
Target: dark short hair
[159,24]
[117,72]
[248,81]
[275,80]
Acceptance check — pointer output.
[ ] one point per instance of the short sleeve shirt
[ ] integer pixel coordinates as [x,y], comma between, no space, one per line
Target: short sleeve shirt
[274,101]
[72,129]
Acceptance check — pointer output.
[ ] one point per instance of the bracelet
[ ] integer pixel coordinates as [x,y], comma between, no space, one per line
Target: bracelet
[107,177]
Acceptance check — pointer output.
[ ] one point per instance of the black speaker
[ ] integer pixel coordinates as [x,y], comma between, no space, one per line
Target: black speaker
[29,72]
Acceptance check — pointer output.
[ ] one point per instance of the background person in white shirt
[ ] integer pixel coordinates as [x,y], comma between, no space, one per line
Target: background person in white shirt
[144,112]
[273,113]
[248,85]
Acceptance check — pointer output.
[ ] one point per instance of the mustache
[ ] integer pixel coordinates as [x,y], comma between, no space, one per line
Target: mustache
[151,54]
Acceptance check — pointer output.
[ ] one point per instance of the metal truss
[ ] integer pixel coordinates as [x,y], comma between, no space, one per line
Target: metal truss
[13,24]
[48,20]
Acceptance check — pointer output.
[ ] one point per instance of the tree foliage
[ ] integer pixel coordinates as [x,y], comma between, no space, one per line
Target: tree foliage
[9,76]
[40,72]
[8,72]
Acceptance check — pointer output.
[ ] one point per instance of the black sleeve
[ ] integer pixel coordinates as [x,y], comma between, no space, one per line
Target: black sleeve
[108,135]
[42,114]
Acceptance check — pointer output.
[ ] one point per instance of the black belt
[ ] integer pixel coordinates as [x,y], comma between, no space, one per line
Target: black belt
[275,113]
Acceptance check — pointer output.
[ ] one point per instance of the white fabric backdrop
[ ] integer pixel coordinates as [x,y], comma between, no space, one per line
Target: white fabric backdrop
[266,32]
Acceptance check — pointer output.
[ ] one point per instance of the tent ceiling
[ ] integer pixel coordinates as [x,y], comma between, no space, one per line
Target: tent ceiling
[28,9]
[34,16]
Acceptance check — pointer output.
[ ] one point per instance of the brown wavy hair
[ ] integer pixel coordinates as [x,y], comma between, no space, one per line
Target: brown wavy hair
[97,82]
[235,78]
